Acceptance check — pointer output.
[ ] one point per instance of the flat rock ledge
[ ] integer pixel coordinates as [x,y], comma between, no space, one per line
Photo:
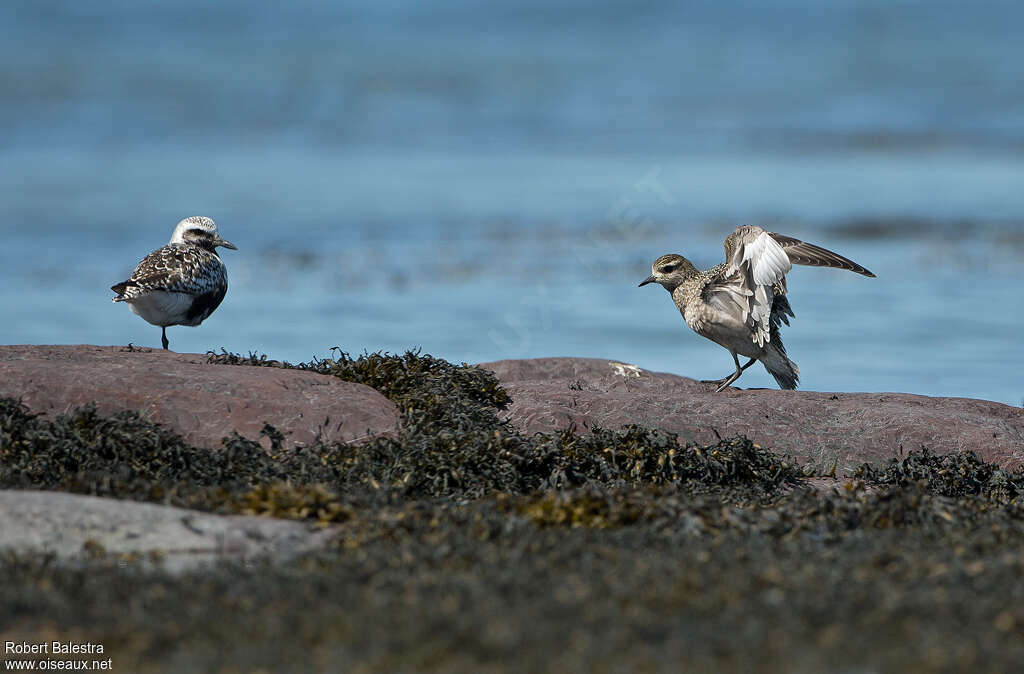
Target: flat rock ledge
[72,526]
[203,402]
[845,429]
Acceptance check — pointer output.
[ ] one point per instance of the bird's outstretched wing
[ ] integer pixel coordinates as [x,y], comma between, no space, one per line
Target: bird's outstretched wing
[752,283]
[749,242]
[755,248]
[802,252]
[753,274]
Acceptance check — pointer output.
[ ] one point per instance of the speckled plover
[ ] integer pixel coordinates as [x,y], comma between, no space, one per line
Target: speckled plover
[181,283]
[741,303]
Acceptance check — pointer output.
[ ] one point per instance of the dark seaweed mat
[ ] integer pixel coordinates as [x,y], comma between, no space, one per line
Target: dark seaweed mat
[901,580]
[463,546]
[124,456]
[962,474]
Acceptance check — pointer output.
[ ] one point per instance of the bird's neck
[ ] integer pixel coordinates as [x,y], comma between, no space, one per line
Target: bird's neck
[688,271]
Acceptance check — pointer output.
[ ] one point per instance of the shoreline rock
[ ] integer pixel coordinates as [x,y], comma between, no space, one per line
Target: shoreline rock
[202,402]
[206,402]
[72,525]
[844,429]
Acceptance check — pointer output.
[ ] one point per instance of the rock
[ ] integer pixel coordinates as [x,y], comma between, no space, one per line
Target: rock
[202,402]
[73,525]
[824,428]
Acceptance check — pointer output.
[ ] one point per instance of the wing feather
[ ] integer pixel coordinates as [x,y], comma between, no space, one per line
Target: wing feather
[751,285]
[177,268]
[754,272]
[733,293]
[805,253]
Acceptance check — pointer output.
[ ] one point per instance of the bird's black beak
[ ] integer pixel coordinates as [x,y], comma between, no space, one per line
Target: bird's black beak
[649,279]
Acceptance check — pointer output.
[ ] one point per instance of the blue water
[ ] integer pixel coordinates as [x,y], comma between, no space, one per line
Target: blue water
[492,180]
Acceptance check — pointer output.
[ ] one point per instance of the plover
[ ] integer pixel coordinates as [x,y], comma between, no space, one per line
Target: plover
[181,283]
[741,303]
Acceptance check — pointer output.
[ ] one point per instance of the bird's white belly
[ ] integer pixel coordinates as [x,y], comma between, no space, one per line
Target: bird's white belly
[162,308]
[722,328]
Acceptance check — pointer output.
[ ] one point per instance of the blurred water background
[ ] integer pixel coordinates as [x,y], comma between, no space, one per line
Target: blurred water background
[490,180]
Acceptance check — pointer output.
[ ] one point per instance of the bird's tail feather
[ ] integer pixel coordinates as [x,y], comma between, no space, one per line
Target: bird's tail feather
[778,364]
[119,288]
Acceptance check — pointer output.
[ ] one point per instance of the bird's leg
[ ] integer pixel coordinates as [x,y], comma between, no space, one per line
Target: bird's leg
[735,375]
[722,380]
[163,337]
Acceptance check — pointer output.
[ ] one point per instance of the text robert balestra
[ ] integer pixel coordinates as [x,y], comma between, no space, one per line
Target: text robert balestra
[51,648]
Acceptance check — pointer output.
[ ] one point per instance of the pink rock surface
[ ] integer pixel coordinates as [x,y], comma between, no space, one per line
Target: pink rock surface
[846,428]
[202,402]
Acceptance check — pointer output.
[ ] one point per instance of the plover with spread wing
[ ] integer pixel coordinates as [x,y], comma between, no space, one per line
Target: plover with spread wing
[741,303]
[181,283]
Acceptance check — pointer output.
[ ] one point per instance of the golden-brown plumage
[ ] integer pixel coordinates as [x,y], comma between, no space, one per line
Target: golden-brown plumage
[741,303]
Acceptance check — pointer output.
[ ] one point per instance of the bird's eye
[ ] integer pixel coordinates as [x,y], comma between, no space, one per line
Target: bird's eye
[669,269]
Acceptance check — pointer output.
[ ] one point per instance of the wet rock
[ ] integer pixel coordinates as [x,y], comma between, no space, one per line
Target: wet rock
[203,402]
[845,429]
[73,525]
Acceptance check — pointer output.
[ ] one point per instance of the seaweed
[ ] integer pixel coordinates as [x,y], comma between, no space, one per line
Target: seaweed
[648,576]
[954,475]
[425,388]
[125,456]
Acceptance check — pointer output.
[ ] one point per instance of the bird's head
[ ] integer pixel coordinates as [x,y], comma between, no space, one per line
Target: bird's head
[669,271]
[199,231]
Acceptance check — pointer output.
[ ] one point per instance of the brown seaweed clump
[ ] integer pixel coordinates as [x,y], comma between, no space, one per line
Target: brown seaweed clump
[954,475]
[428,388]
[125,456]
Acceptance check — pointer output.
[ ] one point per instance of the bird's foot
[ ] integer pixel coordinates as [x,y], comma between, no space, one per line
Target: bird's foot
[721,384]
